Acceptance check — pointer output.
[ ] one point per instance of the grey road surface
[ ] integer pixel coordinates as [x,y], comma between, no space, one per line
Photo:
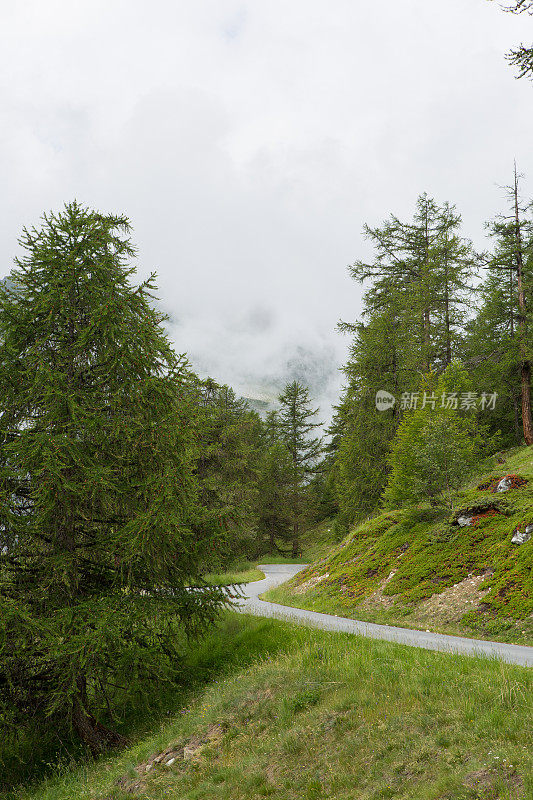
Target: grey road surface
[279,573]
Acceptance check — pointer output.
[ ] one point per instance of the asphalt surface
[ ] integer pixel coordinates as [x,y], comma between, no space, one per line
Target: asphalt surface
[276,574]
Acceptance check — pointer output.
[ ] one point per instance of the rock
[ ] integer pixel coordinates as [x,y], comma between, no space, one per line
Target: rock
[463,520]
[193,747]
[521,537]
[504,485]
[169,762]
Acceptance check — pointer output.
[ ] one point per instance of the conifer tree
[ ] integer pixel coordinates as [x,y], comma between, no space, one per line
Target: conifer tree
[427,267]
[523,56]
[296,424]
[228,454]
[507,296]
[99,503]
[274,487]
[380,359]
[415,312]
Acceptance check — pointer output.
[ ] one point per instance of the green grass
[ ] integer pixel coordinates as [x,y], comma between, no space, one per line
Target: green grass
[305,714]
[230,645]
[232,578]
[428,554]
[281,560]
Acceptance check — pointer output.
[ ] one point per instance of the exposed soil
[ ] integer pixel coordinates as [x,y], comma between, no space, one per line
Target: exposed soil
[377,599]
[447,606]
[453,603]
[306,586]
[484,783]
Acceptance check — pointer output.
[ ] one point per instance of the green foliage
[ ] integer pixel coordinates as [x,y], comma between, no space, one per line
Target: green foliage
[522,58]
[436,448]
[416,306]
[499,345]
[274,487]
[296,427]
[228,451]
[99,503]
[421,275]
[361,466]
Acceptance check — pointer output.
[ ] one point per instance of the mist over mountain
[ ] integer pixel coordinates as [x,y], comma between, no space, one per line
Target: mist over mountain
[229,354]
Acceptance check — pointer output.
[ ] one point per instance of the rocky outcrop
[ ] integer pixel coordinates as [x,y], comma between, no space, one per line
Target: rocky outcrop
[502,484]
[522,533]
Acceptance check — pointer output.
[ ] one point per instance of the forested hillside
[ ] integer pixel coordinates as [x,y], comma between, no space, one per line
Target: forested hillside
[433,503]
[446,335]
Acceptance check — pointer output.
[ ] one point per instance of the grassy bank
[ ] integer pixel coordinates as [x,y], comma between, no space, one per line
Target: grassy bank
[318,715]
[241,574]
[417,567]
[29,755]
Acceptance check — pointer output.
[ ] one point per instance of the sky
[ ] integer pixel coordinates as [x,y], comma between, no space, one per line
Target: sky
[249,142]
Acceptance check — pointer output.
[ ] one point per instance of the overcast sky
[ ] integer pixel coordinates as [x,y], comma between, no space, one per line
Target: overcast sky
[249,142]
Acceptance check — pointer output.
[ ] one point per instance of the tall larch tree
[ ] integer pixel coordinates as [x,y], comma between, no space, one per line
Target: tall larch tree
[98,495]
[274,487]
[512,262]
[296,421]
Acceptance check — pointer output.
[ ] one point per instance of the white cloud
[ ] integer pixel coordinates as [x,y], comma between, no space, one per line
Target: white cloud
[250,141]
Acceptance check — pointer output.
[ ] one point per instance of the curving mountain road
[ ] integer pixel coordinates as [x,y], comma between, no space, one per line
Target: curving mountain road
[275,574]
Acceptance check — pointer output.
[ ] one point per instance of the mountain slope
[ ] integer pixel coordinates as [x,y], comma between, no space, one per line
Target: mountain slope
[454,571]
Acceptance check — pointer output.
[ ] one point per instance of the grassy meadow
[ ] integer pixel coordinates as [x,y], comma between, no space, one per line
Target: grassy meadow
[291,713]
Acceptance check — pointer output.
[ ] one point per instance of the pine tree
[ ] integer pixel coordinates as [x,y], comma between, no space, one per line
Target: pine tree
[98,497]
[523,56]
[295,421]
[274,487]
[507,305]
[415,312]
[379,360]
[424,269]
[228,447]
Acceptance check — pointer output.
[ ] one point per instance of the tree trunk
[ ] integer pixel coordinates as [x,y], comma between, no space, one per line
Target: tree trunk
[525,372]
[427,339]
[96,736]
[447,313]
[426,315]
[525,367]
[295,540]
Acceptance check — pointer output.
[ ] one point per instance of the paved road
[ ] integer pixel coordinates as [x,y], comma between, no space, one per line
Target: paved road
[279,573]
